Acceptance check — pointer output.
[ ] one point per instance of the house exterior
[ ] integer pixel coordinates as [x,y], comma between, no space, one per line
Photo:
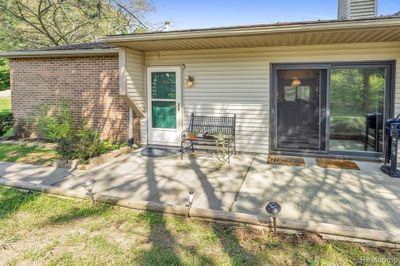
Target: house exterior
[88,80]
[320,87]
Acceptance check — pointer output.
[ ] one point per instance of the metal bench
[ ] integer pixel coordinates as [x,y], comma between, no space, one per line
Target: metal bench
[208,131]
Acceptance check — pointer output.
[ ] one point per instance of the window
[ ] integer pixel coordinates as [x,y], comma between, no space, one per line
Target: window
[290,94]
[303,93]
[297,93]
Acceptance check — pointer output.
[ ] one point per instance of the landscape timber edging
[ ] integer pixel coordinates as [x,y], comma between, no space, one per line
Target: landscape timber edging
[95,161]
[360,235]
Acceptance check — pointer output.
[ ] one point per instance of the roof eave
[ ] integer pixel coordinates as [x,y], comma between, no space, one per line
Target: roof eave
[58,53]
[268,29]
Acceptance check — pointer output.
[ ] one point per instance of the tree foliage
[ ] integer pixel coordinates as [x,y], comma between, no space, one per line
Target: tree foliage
[26,24]
[4,75]
[37,23]
[356,91]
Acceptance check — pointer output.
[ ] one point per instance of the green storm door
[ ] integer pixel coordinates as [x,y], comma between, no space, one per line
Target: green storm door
[164,105]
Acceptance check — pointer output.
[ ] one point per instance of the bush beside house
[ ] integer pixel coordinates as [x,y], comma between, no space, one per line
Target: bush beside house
[74,140]
[4,76]
[6,122]
[95,120]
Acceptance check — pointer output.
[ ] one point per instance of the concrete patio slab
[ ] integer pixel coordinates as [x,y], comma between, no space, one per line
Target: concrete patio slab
[168,179]
[362,198]
[37,174]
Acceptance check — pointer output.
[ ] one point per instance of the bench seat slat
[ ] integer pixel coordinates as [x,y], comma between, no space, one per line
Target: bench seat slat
[212,126]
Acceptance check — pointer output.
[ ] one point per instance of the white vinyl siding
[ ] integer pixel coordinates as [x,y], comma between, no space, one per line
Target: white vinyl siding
[357,9]
[362,9]
[344,9]
[135,85]
[225,82]
[135,72]
[237,81]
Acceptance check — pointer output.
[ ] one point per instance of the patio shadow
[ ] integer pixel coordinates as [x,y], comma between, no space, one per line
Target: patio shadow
[366,199]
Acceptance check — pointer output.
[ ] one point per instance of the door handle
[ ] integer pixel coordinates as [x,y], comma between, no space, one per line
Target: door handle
[179,106]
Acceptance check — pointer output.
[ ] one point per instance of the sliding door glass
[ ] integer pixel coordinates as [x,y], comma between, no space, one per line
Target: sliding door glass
[357,96]
[300,109]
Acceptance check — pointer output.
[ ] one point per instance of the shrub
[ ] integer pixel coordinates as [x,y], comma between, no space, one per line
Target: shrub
[55,127]
[6,122]
[84,145]
[74,141]
[4,76]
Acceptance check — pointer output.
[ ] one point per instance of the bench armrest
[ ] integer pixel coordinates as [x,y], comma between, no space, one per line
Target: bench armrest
[184,134]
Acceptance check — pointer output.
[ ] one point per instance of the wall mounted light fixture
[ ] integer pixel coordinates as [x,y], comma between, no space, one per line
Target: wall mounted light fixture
[296,82]
[189,81]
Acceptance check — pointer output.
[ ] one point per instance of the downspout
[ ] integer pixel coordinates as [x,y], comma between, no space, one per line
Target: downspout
[131,138]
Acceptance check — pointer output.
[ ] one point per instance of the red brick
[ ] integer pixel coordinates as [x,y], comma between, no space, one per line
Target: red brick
[89,84]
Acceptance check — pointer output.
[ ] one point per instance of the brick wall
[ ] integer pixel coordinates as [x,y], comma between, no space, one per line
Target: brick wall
[89,84]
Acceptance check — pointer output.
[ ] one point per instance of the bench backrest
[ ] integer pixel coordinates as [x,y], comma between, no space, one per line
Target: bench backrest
[213,124]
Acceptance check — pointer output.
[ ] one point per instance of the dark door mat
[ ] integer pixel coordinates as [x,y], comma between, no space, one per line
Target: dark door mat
[283,160]
[159,152]
[337,164]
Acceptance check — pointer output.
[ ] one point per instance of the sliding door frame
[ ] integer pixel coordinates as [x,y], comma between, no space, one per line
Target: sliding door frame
[389,99]
[274,105]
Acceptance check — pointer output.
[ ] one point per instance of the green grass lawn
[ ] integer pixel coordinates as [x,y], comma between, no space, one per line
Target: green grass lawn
[25,153]
[37,229]
[5,104]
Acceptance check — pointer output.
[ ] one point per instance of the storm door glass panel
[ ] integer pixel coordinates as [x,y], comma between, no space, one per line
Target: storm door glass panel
[299,109]
[163,85]
[357,109]
[164,114]
[163,104]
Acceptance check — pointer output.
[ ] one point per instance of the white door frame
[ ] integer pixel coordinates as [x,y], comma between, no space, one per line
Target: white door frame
[179,112]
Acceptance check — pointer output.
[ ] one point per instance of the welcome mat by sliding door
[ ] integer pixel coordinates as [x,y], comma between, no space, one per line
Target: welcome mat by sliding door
[285,160]
[337,164]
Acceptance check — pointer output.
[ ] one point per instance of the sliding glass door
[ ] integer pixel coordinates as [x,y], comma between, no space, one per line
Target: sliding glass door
[300,109]
[331,108]
[357,108]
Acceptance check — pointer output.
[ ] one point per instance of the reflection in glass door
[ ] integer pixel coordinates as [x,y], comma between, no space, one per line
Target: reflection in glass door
[357,96]
[300,109]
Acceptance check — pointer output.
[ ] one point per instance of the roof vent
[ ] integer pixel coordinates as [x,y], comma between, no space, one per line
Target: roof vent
[357,9]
